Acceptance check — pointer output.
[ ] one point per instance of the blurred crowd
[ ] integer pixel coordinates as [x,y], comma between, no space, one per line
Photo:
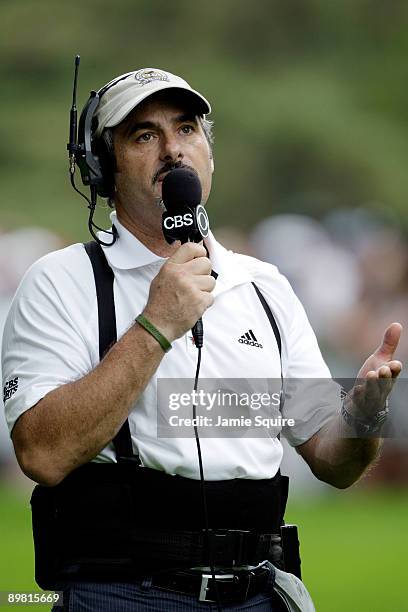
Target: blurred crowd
[350,271]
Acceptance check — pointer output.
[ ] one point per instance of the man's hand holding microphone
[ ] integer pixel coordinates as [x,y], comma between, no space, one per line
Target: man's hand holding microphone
[181,292]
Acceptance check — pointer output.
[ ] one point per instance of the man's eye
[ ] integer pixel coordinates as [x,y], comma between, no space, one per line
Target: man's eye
[146,137]
[187,129]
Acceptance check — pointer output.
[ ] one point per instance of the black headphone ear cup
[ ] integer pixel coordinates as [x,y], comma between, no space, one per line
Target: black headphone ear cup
[106,162]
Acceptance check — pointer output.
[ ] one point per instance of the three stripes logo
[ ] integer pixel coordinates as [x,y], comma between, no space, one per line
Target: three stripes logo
[249,338]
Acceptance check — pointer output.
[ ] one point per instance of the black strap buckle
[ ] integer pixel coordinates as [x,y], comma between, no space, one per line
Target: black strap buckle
[206,585]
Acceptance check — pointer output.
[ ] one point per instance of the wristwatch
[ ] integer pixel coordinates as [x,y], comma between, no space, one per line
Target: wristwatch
[365,427]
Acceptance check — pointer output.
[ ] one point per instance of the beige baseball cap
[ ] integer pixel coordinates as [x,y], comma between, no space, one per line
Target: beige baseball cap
[124,93]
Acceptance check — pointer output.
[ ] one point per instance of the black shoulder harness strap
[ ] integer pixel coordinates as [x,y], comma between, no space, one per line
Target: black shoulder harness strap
[108,334]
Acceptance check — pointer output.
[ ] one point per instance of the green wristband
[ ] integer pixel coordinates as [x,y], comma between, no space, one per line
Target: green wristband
[164,343]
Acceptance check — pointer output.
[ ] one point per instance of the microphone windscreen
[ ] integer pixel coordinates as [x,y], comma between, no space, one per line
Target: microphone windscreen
[181,187]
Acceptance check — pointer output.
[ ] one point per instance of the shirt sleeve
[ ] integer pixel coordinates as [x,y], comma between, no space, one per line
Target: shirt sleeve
[45,340]
[311,397]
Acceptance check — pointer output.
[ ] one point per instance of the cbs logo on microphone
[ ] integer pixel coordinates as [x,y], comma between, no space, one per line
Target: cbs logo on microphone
[197,219]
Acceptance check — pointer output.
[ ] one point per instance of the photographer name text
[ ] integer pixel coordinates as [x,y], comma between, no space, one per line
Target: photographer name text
[206,421]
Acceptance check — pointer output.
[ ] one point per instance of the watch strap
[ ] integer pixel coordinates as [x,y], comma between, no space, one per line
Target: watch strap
[362,426]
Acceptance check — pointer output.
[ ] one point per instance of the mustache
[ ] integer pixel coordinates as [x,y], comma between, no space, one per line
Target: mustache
[167,168]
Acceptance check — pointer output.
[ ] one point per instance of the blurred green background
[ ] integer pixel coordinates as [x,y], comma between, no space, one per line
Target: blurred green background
[309,98]
[309,102]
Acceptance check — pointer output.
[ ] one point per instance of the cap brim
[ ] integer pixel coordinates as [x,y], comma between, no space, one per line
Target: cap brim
[201,105]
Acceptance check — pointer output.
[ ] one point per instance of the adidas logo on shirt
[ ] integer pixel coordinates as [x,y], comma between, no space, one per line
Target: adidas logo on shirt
[249,338]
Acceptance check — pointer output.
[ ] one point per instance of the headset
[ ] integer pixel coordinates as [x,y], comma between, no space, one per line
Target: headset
[90,153]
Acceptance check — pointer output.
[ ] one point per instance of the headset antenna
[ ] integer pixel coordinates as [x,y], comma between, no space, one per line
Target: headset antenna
[72,145]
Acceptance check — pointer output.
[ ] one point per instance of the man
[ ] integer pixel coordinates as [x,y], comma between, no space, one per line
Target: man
[66,407]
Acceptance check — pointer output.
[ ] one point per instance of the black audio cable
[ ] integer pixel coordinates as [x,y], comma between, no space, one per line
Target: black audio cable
[202,482]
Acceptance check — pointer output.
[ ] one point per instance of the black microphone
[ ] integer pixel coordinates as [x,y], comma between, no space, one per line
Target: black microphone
[181,188]
[185,219]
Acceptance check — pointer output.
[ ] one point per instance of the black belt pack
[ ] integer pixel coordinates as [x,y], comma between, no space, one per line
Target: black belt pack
[117,521]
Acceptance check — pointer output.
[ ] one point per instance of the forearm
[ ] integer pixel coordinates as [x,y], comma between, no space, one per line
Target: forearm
[336,456]
[74,422]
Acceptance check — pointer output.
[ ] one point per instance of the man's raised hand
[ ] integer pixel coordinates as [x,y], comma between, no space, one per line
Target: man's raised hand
[376,377]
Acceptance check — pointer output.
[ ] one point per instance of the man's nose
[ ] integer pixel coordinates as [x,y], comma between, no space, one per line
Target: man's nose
[171,149]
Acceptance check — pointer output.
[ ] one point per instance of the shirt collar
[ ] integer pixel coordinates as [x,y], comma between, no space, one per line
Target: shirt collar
[225,264]
[129,253]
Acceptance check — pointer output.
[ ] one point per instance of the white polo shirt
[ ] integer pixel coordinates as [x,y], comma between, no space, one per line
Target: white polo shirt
[51,338]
